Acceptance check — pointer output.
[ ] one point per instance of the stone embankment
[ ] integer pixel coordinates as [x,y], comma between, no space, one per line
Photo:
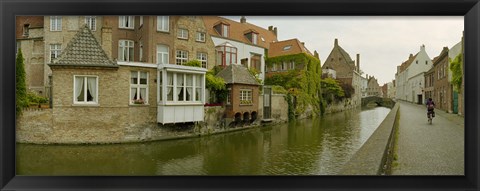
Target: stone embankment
[376,154]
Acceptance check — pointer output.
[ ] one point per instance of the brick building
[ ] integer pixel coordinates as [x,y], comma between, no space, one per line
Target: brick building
[443,89]
[286,48]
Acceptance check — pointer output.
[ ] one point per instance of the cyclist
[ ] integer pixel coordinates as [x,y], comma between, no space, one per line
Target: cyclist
[430,107]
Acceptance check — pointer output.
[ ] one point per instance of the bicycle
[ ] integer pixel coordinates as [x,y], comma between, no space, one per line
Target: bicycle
[430,116]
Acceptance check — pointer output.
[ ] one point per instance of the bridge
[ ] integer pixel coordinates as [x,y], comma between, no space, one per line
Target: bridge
[385,102]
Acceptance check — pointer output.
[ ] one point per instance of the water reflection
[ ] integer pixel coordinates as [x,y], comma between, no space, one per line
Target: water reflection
[305,147]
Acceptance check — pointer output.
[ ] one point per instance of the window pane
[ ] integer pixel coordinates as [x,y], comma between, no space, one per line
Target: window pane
[133,93]
[134,78]
[92,89]
[143,77]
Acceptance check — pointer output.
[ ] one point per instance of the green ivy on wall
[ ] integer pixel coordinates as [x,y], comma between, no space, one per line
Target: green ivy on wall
[304,85]
[456,68]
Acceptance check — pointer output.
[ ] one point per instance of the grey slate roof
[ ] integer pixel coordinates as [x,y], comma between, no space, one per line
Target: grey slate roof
[237,74]
[84,50]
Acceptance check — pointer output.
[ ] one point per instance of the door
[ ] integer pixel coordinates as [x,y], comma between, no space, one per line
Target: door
[455,102]
[267,100]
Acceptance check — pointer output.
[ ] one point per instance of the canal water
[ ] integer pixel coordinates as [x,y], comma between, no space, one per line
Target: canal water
[319,146]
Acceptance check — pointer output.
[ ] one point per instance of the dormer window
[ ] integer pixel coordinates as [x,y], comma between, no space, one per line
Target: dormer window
[252,36]
[25,29]
[222,29]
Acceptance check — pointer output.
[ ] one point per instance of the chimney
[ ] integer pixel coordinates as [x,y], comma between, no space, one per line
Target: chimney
[107,41]
[270,28]
[315,54]
[243,19]
[303,44]
[411,55]
[358,62]
[422,48]
[336,42]
[275,31]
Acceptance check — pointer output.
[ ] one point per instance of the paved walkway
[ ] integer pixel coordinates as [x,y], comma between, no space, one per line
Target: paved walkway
[429,149]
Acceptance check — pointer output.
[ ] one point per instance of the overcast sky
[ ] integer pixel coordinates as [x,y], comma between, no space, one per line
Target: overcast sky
[382,42]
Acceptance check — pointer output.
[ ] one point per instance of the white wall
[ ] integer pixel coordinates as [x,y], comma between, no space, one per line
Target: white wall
[244,51]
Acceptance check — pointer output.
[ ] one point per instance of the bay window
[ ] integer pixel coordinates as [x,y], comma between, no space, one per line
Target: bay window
[227,54]
[85,90]
[139,87]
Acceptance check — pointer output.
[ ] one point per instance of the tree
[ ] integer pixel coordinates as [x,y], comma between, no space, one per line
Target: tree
[456,68]
[21,87]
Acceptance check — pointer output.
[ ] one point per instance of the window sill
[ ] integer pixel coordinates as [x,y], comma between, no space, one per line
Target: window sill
[200,41]
[126,28]
[163,31]
[179,38]
[86,105]
[182,104]
[246,104]
[139,105]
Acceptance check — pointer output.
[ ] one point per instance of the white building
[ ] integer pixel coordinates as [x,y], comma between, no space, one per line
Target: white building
[240,42]
[408,76]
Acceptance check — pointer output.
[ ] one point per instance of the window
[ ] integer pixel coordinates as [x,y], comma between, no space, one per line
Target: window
[85,90]
[229,96]
[245,96]
[252,37]
[141,52]
[126,22]
[91,22]
[141,21]
[189,87]
[125,50]
[163,23]
[222,29]
[202,57]
[255,61]
[162,54]
[292,65]
[55,23]
[170,86]
[181,57]
[274,67]
[416,62]
[200,37]
[289,47]
[55,50]
[227,54]
[25,29]
[426,62]
[139,87]
[198,87]
[182,34]
[284,65]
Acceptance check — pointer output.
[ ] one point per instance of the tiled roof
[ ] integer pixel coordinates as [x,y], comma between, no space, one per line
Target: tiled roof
[407,63]
[84,50]
[277,48]
[346,61]
[237,74]
[237,31]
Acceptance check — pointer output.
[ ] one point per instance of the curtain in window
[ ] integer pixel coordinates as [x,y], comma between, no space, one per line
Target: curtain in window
[170,86]
[143,93]
[78,88]
[180,87]
[189,79]
[134,93]
[198,87]
[92,87]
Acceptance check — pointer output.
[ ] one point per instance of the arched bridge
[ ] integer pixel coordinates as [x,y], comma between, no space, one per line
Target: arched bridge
[385,102]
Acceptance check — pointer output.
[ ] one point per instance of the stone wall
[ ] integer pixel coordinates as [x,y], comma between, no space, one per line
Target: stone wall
[340,106]
[279,108]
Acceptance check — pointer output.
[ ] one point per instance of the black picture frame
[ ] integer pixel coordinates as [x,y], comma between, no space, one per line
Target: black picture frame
[470,9]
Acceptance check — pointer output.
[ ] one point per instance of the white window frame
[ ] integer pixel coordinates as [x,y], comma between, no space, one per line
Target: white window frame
[139,86]
[163,23]
[194,86]
[225,29]
[202,57]
[284,66]
[55,50]
[181,57]
[229,96]
[55,23]
[246,95]
[85,86]
[292,65]
[126,22]
[201,36]
[91,22]
[129,45]
[254,38]
[182,34]
[141,21]
[164,55]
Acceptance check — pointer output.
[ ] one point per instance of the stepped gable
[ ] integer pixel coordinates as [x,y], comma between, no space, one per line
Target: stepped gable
[84,50]
[237,74]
